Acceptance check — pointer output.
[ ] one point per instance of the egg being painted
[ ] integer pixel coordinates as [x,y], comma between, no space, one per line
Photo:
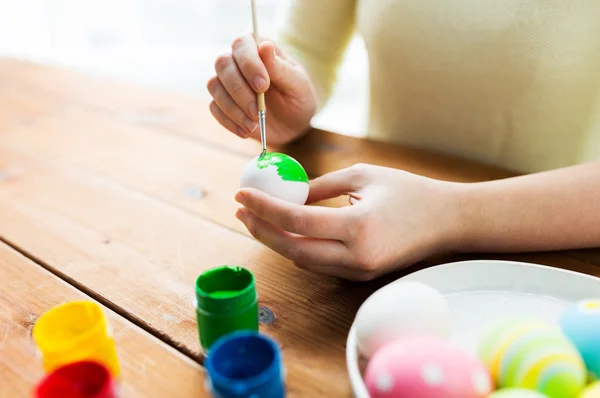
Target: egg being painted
[581,323]
[516,393]
[278,175]
[535,355]
[425,367]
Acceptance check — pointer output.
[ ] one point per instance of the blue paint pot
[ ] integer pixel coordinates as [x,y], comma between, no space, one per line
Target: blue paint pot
[245,364]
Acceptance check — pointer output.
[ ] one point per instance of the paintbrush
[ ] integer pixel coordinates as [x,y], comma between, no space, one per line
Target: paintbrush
[260,98]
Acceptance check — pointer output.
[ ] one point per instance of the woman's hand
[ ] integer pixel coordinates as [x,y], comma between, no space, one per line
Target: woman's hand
[396,219]
[291,100]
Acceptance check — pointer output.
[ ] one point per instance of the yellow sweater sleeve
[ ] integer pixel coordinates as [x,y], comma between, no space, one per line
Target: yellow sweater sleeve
[316,34]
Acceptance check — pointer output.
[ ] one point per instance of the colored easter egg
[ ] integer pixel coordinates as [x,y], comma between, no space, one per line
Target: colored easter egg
[516,393]
[534,355]
[592,391]
[581,323]
[278,175]
[398,309]
[425,367]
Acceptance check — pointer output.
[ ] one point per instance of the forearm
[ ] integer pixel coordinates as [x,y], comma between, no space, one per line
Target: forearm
[554,210]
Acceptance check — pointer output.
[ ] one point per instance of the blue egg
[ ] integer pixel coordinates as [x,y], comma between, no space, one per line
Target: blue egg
[581,323]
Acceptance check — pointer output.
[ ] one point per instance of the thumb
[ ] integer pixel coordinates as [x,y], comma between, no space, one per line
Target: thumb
[281,71]
[342,182]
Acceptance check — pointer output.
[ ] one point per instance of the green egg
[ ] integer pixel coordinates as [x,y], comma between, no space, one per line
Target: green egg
[533,355]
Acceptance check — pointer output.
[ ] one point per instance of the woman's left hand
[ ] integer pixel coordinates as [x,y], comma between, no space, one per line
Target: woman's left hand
[395,219]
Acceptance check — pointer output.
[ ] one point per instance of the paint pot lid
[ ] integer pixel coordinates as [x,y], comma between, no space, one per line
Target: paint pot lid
[244,363]
[84,379]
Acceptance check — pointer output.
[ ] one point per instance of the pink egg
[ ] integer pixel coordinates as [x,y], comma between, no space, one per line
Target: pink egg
[426,367]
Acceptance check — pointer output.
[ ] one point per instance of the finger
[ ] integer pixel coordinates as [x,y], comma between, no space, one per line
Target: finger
[225,121]
[312,221]
[300,249]
[245,53]
[236,85]
[281,71]
[279,52]
[346,181]
[229,107]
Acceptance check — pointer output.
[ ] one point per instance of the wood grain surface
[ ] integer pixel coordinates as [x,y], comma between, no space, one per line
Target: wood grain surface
[128,192]
[143,255]
[149,367]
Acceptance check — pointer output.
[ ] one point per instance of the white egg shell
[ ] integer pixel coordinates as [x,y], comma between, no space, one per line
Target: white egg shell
[269,180]
[399,309]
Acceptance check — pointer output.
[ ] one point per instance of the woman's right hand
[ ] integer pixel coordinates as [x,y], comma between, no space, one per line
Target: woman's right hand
[291,100]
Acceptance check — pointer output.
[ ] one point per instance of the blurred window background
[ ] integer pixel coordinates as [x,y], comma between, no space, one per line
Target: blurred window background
[169,44]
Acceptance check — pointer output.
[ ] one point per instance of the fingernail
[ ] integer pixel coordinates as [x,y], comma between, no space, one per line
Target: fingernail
[239,197]
[259,82]
[241,132]
[250,125]
[239,214]
[253,110]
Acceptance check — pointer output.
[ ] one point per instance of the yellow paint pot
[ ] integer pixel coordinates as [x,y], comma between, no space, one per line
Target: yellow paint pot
[73,332]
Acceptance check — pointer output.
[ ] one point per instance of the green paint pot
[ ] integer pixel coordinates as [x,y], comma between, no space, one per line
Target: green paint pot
[226,301]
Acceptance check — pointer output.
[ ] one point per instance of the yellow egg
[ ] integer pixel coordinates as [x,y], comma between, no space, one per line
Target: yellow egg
[534,355]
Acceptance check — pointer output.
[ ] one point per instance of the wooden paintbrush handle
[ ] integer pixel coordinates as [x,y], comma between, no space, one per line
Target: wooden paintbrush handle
[260,97]
[261,102]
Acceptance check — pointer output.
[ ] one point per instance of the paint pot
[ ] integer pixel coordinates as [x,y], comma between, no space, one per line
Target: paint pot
[75,331]
[226,301]
[86,379]
[245,364]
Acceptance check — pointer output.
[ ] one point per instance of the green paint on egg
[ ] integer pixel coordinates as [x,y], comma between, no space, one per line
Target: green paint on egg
[288,168]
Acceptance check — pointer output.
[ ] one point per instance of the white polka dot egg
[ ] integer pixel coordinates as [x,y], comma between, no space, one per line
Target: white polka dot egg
[425,367]
[278,175]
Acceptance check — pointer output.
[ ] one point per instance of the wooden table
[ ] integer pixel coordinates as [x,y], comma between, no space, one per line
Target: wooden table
[123,195]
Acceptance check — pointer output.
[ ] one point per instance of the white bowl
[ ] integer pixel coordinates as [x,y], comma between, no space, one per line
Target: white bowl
[482,291]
